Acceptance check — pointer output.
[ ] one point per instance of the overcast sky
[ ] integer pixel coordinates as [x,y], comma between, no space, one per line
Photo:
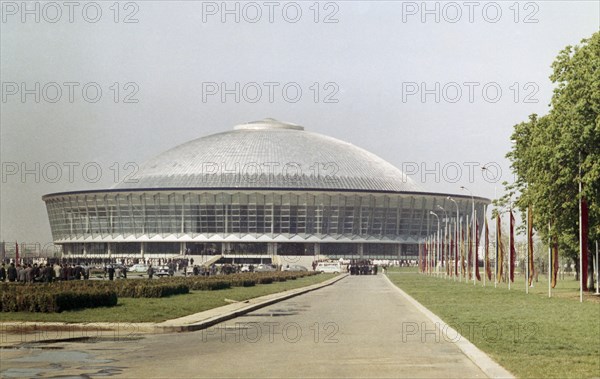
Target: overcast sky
[430,90]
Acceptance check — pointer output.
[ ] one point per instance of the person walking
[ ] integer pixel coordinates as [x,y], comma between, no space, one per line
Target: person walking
[11,273]
[111,272]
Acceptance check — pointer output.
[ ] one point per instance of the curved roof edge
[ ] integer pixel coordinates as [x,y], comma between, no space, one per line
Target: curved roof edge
[267,189]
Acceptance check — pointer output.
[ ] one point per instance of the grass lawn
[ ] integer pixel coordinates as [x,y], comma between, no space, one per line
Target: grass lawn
[532,336]
[161,309]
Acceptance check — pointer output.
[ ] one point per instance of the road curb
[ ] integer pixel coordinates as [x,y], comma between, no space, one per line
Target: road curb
[257,303]
[62,331]
[490,367]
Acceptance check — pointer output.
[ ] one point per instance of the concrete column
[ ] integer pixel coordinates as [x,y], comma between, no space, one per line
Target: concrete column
[272,248]
[317,249]
[225,246]
[360,250]
[182,247]
[142,249]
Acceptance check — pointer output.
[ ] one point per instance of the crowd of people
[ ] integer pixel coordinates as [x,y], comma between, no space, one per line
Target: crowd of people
[57,270]
[42,272]
[362,267]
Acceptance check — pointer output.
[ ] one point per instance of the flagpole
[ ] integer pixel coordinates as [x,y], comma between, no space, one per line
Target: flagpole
[434,245]
[459,251]
[496,260]
[419,260]
[454,249]
[439,252]
[486,247]
[527,253]
[472,231]
[456,229]
[426,256]
[474,222]
[549,261]
[510,245]
[580,238]
[446,248]
[597,266]
[429,255]
[467,249]
[443,244]
[444,263]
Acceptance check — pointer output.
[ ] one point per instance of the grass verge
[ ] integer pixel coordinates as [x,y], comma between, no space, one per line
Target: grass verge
[161,309]
[532,336]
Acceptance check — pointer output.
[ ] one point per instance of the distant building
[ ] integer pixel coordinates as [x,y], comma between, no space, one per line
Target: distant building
[264,188]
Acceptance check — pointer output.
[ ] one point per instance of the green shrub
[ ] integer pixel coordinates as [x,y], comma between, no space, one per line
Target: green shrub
[52,298]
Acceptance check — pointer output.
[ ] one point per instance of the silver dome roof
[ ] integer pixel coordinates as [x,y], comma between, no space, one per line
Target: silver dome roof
[269,154]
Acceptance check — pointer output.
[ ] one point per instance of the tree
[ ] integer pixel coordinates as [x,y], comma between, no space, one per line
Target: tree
[551,154]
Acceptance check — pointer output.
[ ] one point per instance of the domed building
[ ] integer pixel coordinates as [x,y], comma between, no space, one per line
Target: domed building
[265,188]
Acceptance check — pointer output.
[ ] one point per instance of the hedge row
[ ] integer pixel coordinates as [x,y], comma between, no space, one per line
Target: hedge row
[174,285]
[61,296]
[235,280]
[131,288]
[45,298]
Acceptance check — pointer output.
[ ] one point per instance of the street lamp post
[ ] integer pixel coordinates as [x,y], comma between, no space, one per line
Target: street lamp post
[473,229]
[456,239]
[437,248]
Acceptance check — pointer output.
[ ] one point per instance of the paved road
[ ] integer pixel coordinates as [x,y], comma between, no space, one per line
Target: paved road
[359,327]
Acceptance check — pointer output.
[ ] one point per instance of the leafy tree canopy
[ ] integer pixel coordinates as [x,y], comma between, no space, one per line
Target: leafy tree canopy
[551,154]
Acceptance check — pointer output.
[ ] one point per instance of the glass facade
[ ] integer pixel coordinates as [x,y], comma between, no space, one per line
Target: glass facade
[169,217]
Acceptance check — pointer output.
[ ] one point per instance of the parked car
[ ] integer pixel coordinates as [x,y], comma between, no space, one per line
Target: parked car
[139,267]
[294,268]
[264,268]
[163,271]
[329,267]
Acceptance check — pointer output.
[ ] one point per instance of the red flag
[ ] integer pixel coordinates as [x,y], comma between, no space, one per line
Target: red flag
[423,257]
[488,269]
[443,247]
[16,253]
[426,261]
[512,247]
[455,247]
[462,251]
[475,260]
[554,262]
[500,258]
[469,252]
[530,242]
[445,257]
[584,244]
